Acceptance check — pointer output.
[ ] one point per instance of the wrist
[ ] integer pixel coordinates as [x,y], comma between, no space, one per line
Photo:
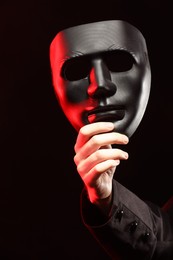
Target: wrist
[104,205]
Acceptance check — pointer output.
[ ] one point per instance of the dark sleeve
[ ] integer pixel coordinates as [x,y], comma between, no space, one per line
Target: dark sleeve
[134,230]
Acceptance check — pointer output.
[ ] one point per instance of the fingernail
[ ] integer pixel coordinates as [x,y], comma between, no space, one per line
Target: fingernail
[126,140]
[126,155]
[116,162]
[109,125]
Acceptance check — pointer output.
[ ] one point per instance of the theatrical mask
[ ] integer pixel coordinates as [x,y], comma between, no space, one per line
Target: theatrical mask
[101,72]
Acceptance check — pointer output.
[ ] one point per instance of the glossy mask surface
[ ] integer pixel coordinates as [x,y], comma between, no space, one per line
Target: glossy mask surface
[101,72]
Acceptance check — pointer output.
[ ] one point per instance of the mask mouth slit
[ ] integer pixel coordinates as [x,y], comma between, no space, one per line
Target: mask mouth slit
[107,113]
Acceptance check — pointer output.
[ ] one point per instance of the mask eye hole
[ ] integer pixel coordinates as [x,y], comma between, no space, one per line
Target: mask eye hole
[76,68]
[119,60]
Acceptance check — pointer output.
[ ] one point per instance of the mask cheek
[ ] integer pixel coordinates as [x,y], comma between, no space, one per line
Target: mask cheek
[74,115]
[76,91]
[59,88]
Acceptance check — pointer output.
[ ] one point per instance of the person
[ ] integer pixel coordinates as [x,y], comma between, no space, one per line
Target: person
[102,78]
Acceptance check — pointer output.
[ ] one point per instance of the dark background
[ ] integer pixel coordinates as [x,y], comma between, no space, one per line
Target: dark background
[39,186]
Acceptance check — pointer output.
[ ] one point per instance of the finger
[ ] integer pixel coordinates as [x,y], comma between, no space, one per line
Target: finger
[87,131]
[98,141]
[93,175]
[98,157]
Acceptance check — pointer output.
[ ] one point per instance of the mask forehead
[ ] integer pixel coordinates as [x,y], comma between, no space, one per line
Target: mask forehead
[97,37]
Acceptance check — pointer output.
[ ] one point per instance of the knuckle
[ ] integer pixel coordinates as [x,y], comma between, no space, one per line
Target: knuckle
[98,154]
[75,159]
[95,140]
[80,169]
[83,131]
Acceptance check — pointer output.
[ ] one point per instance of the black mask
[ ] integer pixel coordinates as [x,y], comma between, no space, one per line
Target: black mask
[101,72]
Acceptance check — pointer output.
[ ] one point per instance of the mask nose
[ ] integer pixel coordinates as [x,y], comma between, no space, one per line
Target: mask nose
[100,78]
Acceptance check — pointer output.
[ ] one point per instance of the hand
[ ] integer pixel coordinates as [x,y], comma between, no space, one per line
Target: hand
[96,160]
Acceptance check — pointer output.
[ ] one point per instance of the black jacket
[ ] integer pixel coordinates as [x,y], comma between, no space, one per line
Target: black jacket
[134,230]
